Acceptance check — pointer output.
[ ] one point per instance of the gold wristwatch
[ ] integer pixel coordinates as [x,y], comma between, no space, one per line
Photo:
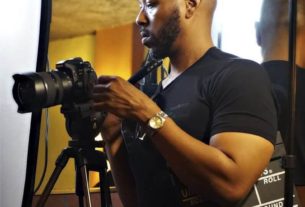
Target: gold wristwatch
[156,122]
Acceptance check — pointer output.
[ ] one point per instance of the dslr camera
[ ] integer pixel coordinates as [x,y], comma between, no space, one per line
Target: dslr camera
[71,83]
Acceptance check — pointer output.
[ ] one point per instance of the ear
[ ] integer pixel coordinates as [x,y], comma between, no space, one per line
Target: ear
[191,6]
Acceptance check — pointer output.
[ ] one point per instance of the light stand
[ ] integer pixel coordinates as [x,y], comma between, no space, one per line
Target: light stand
[289,160]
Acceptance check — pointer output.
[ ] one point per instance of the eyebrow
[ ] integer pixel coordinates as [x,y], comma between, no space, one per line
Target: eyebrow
[142,1]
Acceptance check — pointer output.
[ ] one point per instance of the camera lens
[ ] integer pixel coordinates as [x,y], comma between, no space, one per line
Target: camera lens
[71,84]
[33,91]
[25,92]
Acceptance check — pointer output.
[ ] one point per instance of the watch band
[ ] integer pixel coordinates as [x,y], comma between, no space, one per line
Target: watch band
[156,122]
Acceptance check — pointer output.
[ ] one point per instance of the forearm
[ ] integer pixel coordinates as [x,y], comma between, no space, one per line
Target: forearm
[121,173]
[204,168]
[220,171]
[117,156]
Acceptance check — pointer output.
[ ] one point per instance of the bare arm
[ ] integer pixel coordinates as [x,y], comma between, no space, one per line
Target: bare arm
[223,171]
[117,155]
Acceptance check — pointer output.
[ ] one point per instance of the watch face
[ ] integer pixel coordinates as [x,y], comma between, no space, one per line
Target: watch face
[155,122]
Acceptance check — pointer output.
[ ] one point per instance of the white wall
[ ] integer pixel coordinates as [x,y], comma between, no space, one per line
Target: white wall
[19,23]
[235,19]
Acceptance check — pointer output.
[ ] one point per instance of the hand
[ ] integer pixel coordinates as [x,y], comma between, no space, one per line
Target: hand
[119,97]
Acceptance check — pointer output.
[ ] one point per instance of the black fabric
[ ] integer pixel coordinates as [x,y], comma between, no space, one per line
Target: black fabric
[279,75]
[219,93]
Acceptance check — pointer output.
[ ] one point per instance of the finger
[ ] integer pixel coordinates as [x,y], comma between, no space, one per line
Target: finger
[101,88]
[106,79]
[97,97]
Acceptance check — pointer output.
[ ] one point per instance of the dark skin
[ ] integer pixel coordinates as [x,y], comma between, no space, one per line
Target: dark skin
[219,171]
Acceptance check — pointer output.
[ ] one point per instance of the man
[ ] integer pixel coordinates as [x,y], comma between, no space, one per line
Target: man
[217,136]
[272,36]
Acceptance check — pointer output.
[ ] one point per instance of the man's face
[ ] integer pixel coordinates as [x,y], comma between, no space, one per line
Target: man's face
[159,25]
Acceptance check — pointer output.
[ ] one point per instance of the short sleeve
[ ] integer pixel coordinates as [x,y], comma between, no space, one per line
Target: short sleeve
[242,101]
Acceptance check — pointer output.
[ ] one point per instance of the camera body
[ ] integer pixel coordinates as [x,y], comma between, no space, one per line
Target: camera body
[83,79]
[72,82]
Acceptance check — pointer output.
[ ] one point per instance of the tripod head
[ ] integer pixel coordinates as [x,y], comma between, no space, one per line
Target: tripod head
[83,124]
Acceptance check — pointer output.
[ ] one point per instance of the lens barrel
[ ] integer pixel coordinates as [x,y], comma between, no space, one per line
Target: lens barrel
[71,83]
[34,91]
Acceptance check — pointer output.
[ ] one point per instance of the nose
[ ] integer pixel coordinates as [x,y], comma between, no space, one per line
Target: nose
[141,19]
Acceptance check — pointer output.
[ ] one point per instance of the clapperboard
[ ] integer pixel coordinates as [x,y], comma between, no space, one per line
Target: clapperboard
[269,189]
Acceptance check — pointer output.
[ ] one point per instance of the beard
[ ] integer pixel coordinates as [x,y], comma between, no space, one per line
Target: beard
[166,36]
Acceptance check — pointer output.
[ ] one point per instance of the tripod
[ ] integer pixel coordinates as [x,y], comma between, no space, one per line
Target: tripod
[82,126]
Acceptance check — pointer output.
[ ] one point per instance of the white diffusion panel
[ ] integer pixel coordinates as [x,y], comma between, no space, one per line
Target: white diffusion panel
[235,21]
[19,37]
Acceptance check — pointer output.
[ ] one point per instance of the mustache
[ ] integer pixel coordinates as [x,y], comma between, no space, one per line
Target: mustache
[144,32]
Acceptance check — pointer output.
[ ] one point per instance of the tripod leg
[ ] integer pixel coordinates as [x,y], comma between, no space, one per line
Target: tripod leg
[84,176]
[60,164]
[79,187]
[104,189]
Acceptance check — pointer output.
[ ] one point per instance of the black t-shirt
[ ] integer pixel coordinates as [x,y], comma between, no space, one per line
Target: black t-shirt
[218,93]
[278,71]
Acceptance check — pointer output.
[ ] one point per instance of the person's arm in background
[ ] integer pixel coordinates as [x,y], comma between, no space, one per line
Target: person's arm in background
[117,156]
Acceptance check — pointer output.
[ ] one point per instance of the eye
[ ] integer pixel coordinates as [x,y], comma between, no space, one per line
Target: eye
[151,4]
